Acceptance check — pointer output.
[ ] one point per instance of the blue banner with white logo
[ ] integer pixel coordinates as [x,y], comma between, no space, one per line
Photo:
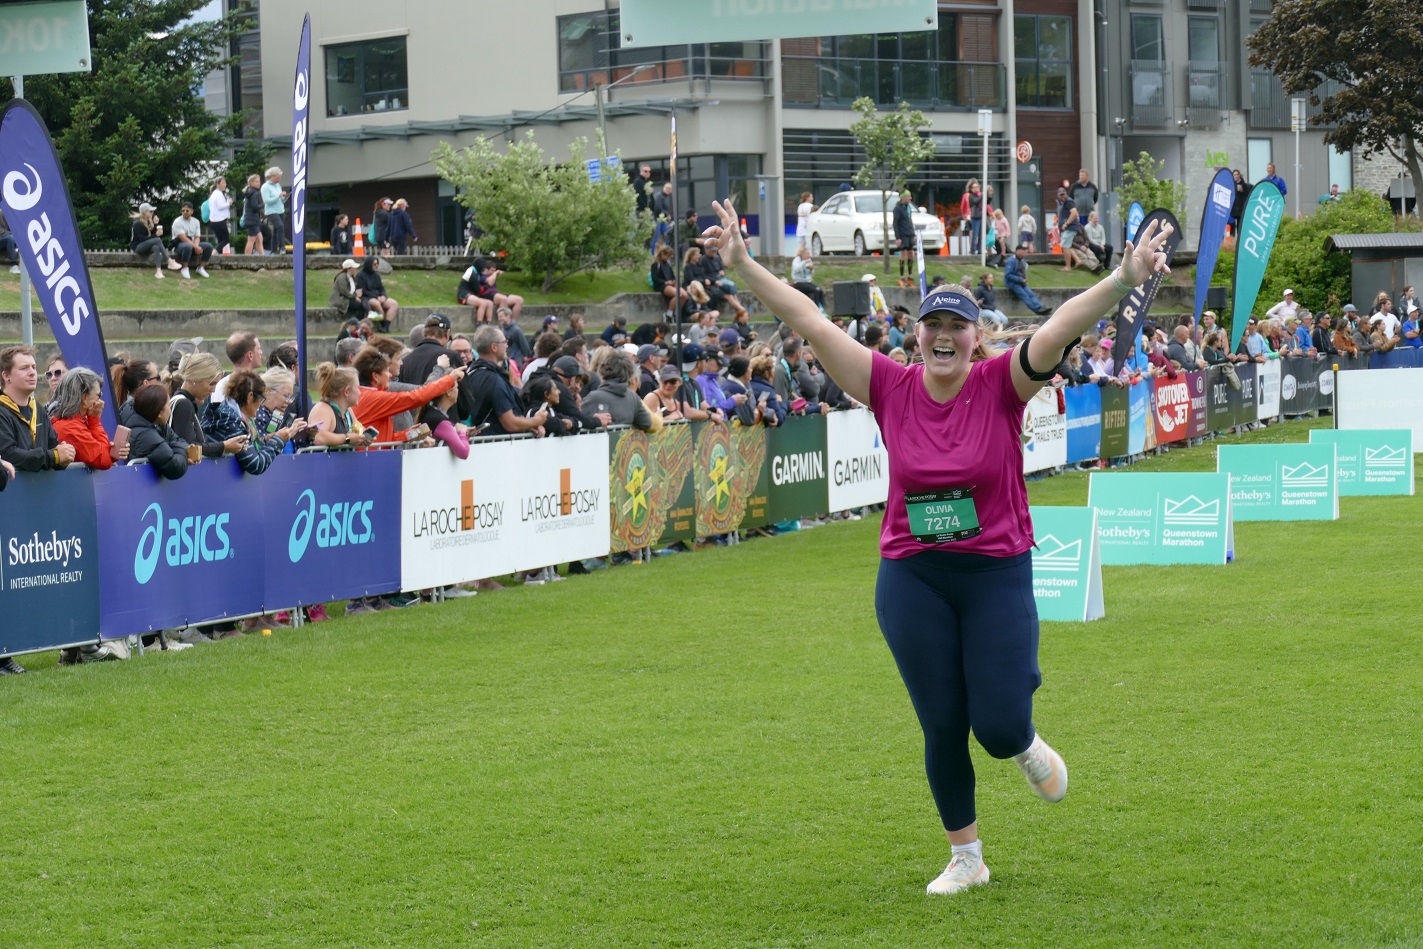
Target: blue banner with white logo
[38,210]
[179,552]
[301,124]
[1135,215]
[1214,218]
[332,526]
[1084,422]
[49,562]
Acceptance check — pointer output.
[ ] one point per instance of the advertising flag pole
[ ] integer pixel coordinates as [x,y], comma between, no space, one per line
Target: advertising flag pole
[27,313]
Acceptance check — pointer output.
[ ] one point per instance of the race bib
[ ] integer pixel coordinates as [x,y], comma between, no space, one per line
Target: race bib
[941,517]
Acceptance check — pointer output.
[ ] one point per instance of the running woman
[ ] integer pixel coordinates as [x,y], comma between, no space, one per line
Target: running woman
[955,590]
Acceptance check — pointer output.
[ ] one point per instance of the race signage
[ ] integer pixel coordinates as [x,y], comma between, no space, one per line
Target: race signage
[1150,518]
[795,451]
[1116,408]
[1371,461]
[41,38]
[1281,482]
[1067,564]
[1180,407]
[1391,399]
[1044,432]
[675,22]
[49,561]
[857,460]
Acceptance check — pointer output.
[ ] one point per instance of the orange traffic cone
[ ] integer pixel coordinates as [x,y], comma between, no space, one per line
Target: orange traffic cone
[358,249]
[944,247]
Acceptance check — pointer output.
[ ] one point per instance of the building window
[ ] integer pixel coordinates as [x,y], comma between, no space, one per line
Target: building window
[1044,56]
[1259,152]
[589,55]
[367,77]
[1146,40]
[1341,167]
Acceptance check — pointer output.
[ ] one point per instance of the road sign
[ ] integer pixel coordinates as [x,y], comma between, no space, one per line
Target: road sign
[1025,152]
[605,169]
[37,39]
[673,22]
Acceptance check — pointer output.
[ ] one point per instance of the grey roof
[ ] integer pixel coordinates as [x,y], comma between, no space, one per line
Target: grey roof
[1372,241]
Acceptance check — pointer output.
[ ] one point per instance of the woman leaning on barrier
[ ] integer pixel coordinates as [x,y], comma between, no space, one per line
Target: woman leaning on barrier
[192,384]
[151,439]
[332,422]
[234,419]
[79,402]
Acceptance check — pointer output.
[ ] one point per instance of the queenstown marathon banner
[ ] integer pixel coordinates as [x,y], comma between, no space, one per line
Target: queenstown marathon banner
[511,505]
[857,459]
[798,475]
[650,484]
[1045,431]
[301,124]
[1163,518]
[39,213]
[1132,311]
[1370,461]
[1259,223]
[1084,422]
[1214,218]
[49,560]
[1281,482]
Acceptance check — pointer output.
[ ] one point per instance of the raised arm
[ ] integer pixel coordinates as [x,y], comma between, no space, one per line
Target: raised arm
[1046,346]
[847,361]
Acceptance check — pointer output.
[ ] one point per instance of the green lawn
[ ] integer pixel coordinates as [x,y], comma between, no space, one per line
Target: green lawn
[715,750]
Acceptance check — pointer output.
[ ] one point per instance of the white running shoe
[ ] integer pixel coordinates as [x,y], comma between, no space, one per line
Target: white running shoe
[1045,770]
[966,869]
[159,274]
[174,265]
[185,274]
[203,272]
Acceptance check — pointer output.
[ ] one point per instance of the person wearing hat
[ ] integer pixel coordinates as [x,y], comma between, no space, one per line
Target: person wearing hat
[147,238]
[187,242]
[878,304]
[345,299]
[708,378]
[954,596]
[903,224]
[690,396]
[650,360]
[1284,311]
[180,348]
[662,399]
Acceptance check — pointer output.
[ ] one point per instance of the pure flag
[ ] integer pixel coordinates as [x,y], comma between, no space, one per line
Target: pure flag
[39,212]
[301,123]
[1259,223]
[1131,313]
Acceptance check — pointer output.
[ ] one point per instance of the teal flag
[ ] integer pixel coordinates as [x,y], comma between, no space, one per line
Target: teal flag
[1259,223]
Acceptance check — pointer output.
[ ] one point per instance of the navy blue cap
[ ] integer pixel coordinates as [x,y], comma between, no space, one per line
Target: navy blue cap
[692,354]
[952,300]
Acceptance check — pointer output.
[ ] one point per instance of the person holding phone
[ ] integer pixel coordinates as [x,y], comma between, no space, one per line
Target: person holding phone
[147,238]
[954,596]
[79,403]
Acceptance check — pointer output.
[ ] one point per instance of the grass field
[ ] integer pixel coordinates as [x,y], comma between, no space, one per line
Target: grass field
[131,288]
[715,750]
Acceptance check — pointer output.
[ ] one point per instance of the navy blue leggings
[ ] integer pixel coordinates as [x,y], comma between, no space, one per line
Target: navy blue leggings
[963,629]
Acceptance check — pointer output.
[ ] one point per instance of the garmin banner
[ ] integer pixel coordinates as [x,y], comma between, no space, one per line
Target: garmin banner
[1214,218]
[1132,311]
[301,124]
[857,458]
[39,212]
[1149,518]
[49,561]
[1259,222]
[795,450]
[1281,482]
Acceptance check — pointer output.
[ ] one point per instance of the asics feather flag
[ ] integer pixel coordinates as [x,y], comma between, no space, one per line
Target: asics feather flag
[301,123]
[1214,218]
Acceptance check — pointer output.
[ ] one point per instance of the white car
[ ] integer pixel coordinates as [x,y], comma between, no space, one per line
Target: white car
[853,221]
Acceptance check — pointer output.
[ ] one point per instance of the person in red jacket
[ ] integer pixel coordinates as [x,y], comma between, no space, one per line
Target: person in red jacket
[78,403]
[378,405]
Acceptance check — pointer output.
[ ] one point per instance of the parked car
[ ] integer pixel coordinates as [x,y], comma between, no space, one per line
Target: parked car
[852,222]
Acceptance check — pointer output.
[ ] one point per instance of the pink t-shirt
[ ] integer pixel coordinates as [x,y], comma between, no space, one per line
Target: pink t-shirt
[972,441]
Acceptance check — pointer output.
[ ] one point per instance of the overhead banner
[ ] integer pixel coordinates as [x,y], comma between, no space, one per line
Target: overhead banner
[41,216]
[1132,311]
[49,561]
[798,475]
[653,498]
[1044,431]
[301,125]
[677,22]
[1370,462]
[857,459]
[1149,518]
[1084,422]
[1259,223]
[1382,399]
[1281,482]
[1067,564]
[1214,218]
[514,505]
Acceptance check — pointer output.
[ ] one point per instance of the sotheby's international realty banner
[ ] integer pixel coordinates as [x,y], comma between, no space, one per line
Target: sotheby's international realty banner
[1166,518]
[1281,482]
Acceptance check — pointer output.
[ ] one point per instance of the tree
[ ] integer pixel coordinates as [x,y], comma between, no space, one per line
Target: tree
[1369,49]
[551,218]
[893,147]
[133,129]
[1141,182]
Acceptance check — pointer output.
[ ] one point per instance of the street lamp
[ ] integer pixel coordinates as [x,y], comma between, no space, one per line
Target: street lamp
[598,94]
[1296,123]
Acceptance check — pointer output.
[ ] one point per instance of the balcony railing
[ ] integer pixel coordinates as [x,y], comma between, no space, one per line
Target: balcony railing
[1205,93]
[1270,104]
[1261,6]
[1150,93]
[698,64]
[827,82]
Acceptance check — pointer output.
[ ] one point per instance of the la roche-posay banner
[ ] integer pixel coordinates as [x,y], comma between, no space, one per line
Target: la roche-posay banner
[1166,518]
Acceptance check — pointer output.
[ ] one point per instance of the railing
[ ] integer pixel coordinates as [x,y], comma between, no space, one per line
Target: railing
[1261,6]
[826,82]
[1150,93]
[1270,104]
[1205,93]
[1206,4]
[629,68]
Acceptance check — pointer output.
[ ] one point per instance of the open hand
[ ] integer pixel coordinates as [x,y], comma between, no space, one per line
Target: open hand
[1140,261]
[725,238]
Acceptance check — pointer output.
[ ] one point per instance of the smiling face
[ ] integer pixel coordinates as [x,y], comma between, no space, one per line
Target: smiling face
[947,342]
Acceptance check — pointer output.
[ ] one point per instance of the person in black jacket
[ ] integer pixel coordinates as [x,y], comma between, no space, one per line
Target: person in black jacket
[1237,204]
[382,309]
[27,439]
[663,278]
[497,408]
[1323,336]
[417,365]
[904,234]
[341,237]
[194,379]
[147,415]
[253,210]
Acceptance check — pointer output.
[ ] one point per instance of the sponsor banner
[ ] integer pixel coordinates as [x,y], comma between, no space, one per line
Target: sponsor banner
[1084,422]
[1116,407]
[676,22]
[1220,414]
[174,553]
[1242,402]
[49,561]
[650,486]
[1404,357]
[1392,399]
[1132,311]
[511,505]
[1197,380]
[857,459]
[1044,431]
[332,526]
[39,213]
[1370,462]
[1267,389]
[1219,198]
[1173,407]
[301,124]
[730,476]
[1281,482]
[1299,385]
[1259,222]
[1141,431]
[1148,518]
[1067,564]
[795,461]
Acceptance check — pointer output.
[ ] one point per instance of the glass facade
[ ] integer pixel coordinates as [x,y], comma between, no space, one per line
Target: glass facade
[1043,50]
[589,55]
[367,77]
